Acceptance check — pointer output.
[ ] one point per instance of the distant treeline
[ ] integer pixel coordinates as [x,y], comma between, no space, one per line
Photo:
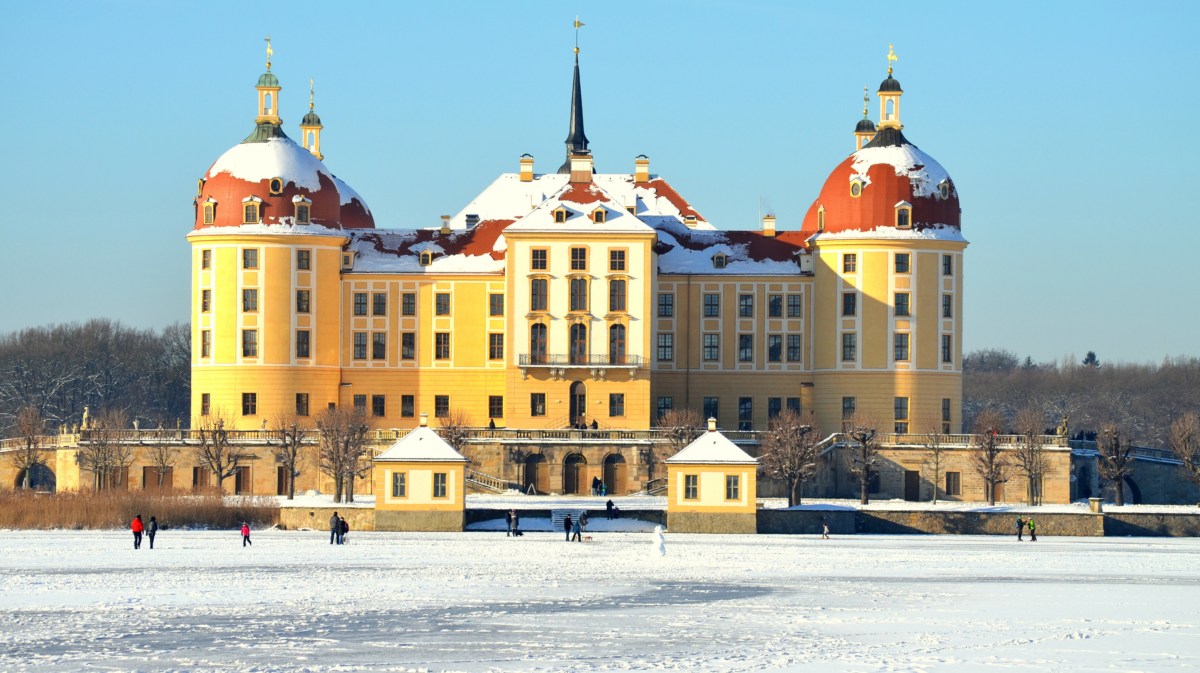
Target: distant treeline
[1140,399]
[103,364]
[100,364]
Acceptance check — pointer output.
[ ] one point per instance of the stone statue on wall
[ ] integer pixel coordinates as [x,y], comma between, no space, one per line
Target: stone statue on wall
[86,419]
[1064,428]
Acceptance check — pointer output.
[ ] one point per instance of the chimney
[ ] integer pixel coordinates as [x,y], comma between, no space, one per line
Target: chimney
[690,221]
[445,224]
[424,420]
[472,220]
[641,169]
[526,168]
[768,229]
[712,424]
[581,168]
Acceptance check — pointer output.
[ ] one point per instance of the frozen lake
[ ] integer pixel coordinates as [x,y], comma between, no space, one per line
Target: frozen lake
[482,602]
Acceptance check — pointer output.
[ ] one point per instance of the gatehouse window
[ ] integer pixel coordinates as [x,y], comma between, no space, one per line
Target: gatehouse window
[732,487]
[691,487]
[439,485]
[399,484]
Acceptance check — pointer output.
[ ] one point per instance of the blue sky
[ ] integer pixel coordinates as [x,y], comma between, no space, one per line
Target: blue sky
[1067,127]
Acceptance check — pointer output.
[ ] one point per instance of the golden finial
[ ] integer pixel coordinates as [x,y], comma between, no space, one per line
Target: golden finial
[310,94]
[578,24]
[270,51]
[892,58]
[866,102]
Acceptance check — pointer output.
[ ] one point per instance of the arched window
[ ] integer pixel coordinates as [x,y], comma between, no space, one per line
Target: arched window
[199,187]
[890,113]
[720,260]
[821,218]
[312,139]
[560,215]
[903,215]
[303,212]
[599,215]
[268,107]
[250,213]
[426,258]
[578,344]
[210,212]
[537,343]
[616,344]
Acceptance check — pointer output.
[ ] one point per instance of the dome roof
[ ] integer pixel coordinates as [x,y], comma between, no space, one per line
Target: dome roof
[889,170]
[865,126]
[310,119]
[890,85]
[247,170]
[268,78]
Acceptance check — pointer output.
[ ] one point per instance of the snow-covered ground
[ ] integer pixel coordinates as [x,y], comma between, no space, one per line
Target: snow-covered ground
[478,601]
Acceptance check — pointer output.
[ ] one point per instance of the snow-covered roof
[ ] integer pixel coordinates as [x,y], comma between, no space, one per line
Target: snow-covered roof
[922,170]
[683,250]
[937,232]
[421,445]
[278,157]
[712,447]
[284,227]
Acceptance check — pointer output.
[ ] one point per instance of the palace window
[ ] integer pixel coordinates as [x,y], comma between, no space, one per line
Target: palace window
[774,348]
[712,407]
[495,346]
[302,343]
[560,215]
[947,306]
[276,186]
[301,404]
[379,346]
[206,259]
[360,345]
[664,405]
[954,483]
[408,304]
[746,306]
[378,406]
[616,404]
[900,344]
[947,265]
[439,484]
[249,300]
[947,348]
[850,263]
[579,294]
[666,305]
[379,304]
[360,303]
[302,213]
[903,215]
[408,406]
[946,415]
[360,404]
[821,219]
[205,404]
[775,306]
[774,407]
[579,259]
[793,404]
[441,406]
[537,343]
[616,260]
[408,345]
[205,343]
[745,413]
[250,258]
[849,407]
[944,189]
[902,304]
[666,347]
[303,300]
[902,262]
[849,346]
[249,404]
[745,348]
[250,213]
[538,289]
[537,404]
[616,296]
[426,258]
[210,212]
[577,344]
[901,412]
[495,406]
[538,260]
[495,305]
[856,188]
[712,347]
[304,260]
[599,215]
[616,345]
[205,301]
[441,303]
[712,305]
[793,348]
[441,346]
[849,303]
[249,343]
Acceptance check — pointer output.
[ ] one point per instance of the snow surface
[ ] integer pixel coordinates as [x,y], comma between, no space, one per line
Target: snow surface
[422,444]
[936,232]
[922,171]
[712,447]
[275,158]
[80,600]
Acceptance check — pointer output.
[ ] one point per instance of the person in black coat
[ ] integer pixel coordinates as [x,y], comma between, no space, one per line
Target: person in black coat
[609,508]
[567,526]
[151,529]
[508,521]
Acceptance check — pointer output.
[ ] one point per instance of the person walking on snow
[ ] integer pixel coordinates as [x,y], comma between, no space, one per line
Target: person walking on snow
[516,524]
[151,530]
[246,534]
[335,524]
[583,521]
[609,508]
[567,526]
[137,527]
[508,517]
[345,528]
[1032,530]
[1020,528]
[575,531]
[824,528]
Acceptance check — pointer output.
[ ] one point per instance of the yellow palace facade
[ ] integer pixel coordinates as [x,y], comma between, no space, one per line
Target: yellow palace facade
[575,298]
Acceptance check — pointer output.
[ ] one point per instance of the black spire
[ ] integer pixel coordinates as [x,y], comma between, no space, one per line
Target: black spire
[577,142]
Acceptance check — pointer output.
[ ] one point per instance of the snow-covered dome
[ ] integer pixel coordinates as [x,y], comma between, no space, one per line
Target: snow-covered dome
[270,169]
[864,192]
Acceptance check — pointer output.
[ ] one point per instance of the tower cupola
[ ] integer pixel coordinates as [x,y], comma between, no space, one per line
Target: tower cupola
[865,129]
[268,93]
[579,160]
[889,96]
[310,128]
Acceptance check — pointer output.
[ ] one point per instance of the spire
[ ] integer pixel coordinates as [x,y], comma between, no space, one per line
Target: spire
[577,142]
[865,130]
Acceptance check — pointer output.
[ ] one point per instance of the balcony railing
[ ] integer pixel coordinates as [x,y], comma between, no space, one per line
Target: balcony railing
[557,360]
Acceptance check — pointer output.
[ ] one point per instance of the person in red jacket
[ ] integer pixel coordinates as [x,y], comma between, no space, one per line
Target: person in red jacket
[137,531]
[246,534]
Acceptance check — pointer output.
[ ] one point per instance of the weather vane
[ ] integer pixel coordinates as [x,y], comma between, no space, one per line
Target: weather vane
[892,58]
[578,24]
[269,52]
[866,102]
[310,94]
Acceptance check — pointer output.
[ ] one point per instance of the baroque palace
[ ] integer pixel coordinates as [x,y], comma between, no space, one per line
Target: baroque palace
[559,315]
[575,298]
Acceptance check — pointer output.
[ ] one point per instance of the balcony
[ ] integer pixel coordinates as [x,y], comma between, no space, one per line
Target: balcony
[599,364]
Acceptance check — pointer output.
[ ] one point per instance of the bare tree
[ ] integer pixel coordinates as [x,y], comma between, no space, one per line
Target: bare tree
[934,441]
[162,457]
[30,457]
[989,460]
[214,452]
[1115,460]
[789,450]
[1031,457]
[1184,440]
[342,443]
[289,433]
[863,431]
[454,428]
[103,453]
[679,427]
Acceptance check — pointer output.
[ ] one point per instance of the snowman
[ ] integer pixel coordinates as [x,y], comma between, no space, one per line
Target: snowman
[660,542]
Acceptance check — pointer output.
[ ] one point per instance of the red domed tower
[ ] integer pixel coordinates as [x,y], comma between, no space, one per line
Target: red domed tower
[269,231]
[886,235]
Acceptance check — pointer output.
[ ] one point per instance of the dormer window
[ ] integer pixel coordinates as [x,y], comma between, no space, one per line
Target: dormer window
[856,188]
[250,208]
[276,186]
[560,215]
[199,187]
[348,261]
[904,215]
[689,220]
[426,258]
[944,189]
[303,210]
[720,260]
[210,211]
[599,215]
[821,218]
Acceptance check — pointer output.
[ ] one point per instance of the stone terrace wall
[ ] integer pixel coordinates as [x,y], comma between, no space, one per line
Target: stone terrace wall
[925,522]
[1152,525]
